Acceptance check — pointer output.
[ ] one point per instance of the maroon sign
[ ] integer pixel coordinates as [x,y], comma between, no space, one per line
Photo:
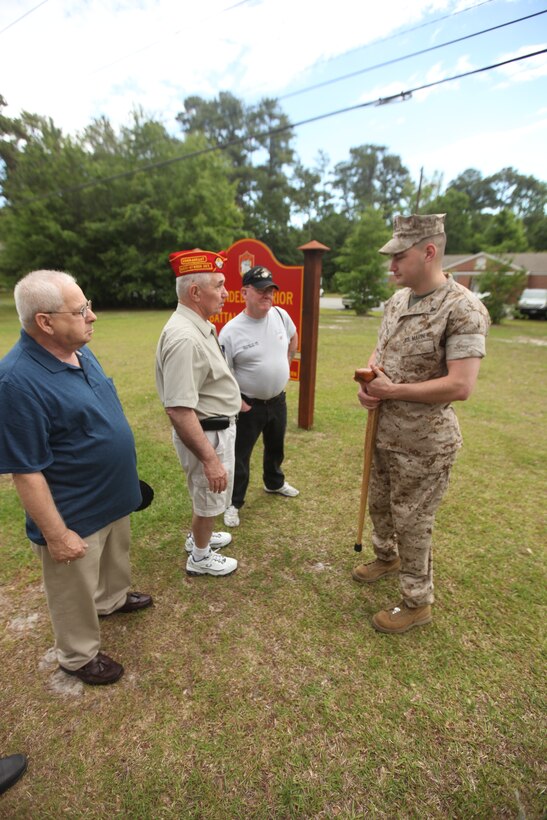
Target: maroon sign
[242,256]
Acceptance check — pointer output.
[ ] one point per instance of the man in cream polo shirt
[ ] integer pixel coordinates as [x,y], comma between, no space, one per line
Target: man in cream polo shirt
[202,400]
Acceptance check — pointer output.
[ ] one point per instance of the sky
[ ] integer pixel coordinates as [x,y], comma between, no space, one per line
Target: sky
[75,60]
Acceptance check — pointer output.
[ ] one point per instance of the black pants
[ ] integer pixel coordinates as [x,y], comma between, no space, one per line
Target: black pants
[270,419]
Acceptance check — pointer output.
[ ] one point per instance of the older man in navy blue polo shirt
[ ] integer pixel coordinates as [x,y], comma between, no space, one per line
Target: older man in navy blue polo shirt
[65,439]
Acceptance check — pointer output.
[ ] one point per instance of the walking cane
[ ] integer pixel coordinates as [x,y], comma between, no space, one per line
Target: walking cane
[363,376]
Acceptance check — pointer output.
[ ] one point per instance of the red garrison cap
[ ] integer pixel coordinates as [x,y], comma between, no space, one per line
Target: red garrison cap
[196,261]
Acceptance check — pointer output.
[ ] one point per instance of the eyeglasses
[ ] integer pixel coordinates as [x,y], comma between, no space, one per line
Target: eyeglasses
[83,311]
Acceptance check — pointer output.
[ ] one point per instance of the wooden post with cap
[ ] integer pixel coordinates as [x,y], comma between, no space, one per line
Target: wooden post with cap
[313,257]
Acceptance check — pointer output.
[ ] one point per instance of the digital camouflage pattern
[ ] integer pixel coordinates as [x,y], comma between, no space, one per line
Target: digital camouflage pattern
[414,345]
[409,230]
[416,443]
[404,495]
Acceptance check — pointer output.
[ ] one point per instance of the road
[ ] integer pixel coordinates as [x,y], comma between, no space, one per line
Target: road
[332,302]
[335,303]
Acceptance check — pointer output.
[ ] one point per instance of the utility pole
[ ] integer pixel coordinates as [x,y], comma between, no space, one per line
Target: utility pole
[418,195]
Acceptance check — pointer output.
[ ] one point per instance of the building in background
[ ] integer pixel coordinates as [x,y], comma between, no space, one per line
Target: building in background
[466,269]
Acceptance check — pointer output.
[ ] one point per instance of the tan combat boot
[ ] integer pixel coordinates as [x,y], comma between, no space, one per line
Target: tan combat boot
[401,618]
[368,573]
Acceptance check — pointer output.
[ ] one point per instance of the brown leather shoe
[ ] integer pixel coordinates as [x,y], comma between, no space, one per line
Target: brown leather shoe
[97,672]
[374,570]
[401,618]
[133,601]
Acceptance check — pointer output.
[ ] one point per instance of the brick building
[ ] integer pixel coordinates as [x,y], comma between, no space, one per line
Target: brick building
[466,269]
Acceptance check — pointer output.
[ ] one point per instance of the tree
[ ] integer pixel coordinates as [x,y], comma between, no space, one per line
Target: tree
[12,133]
[109,205]
[268,210]
[501,288]
[313,199]
[183,204]
[505,234]
[429,190]
[87,205]
[311,195]
[458,223]
[38,226]
[332,229]
[372,177]
[257,142]
[478,190]
[523,195]
[536,232]
[224,121]
[362,270]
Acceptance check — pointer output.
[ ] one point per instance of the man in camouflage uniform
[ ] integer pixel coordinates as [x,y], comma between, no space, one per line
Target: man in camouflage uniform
[430,345]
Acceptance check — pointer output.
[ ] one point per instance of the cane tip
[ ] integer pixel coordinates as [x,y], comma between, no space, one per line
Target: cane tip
[358,547]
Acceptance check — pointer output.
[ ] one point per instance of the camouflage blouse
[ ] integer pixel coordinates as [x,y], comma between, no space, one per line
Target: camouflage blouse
[414,345]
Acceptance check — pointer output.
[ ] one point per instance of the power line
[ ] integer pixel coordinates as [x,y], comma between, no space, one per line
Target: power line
[408,56]
[402,96]
[404,57]
[244,2]
[400,34]
[159,42]
[23,16]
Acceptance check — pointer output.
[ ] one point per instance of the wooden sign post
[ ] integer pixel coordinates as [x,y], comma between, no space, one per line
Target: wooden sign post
[313,257]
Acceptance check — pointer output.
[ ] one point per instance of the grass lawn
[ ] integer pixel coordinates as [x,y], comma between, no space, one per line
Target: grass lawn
[268,694]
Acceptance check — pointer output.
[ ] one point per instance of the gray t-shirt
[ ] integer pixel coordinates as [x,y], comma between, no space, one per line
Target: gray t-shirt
[256,351]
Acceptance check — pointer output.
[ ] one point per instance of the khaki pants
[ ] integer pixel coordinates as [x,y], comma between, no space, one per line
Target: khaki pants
[78,592]
[404,495]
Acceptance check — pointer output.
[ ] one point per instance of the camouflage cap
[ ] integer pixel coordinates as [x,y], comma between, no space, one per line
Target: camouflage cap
[409,230]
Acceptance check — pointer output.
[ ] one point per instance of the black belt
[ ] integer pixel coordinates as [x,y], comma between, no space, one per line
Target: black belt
[215,423]
[262,401]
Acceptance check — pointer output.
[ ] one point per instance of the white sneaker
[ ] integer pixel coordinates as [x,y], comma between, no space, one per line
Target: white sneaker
[214,564]
[286,489]
[231,517]
[217,541]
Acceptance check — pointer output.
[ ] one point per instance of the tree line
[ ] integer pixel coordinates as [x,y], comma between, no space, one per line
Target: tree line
[86,203]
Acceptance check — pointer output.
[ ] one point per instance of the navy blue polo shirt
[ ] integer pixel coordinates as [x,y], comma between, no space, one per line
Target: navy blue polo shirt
[67,423]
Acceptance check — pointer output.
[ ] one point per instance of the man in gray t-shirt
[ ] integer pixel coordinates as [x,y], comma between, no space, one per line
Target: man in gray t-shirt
[259,344]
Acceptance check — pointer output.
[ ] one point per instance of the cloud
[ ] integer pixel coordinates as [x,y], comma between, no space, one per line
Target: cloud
[84,58]
[524,71]
[81,59]
[495,148]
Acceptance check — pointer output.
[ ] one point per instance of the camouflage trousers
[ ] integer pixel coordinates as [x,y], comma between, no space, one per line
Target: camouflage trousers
[404,495]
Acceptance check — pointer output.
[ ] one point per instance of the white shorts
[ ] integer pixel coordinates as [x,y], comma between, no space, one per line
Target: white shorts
[205,502]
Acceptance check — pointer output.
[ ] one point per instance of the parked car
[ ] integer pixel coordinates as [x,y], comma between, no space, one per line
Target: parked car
[533,302]
[347,303]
